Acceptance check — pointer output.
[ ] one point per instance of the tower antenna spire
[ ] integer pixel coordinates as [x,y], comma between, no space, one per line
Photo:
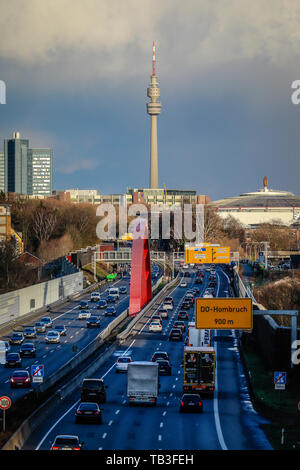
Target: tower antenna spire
[153,59]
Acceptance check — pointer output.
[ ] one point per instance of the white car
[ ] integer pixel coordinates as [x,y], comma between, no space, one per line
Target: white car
[208,296]
[167,306]
[52,337]
[183,284]
[163,313]
[95,296]
[155,326]
[122,363]
[84,315]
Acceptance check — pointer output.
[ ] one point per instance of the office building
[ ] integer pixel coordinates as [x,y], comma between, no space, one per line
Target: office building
[27,171]
[2,173]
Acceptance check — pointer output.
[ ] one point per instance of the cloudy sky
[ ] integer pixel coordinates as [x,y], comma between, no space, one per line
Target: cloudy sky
[77,71]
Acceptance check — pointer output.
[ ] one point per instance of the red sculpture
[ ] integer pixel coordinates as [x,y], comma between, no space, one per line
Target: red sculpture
[140,283]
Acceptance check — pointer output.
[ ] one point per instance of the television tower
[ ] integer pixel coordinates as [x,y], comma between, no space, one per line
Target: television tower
[153,109]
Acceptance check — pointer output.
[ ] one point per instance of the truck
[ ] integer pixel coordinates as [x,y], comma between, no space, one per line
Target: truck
[197,337]
[114,291]
[142,382]
[199,370]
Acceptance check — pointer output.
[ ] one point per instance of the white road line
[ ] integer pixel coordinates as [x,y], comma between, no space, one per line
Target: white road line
[117,412]
[110,423]
[104,435]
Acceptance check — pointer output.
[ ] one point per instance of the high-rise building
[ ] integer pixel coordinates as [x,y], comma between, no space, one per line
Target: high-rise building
[26,171]
[2,173]
[41,174]
[17,170]
[153,109]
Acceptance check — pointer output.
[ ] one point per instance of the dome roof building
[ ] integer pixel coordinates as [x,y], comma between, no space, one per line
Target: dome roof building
[262,206]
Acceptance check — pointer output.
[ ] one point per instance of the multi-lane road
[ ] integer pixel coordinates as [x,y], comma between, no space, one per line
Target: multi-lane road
[228,420]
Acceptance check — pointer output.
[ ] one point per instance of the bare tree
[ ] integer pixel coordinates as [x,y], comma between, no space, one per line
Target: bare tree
[44,223]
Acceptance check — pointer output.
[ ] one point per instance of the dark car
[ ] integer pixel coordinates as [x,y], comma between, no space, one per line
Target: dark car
[164,367]
[110,311]
[61,330]
[93,321]
[160,355]
[111,298]
[46,321]
[102,304]
[13,360]
[67,443]
[182,315]
[88,411]
[175,335]
[17,337]
[198,280]
[27,349]
[20,378]
[123,290]
[185,305]
[29,332]
[191,402]
[93,390]
[84,305]
[179,324]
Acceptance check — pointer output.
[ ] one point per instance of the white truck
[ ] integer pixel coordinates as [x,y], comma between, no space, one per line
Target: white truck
[114,291]
[198,337]
[142,382]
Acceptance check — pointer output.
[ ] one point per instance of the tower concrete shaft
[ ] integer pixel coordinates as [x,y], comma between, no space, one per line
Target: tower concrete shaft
[153,109]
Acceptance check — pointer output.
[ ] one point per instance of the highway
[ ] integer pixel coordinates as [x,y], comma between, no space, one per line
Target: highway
[53,356]
[228,420]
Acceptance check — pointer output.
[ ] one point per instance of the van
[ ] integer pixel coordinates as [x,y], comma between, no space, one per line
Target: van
[93,390]
[114,291]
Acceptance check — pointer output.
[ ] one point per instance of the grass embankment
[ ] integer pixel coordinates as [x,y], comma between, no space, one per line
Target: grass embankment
[101,271]
[286,400]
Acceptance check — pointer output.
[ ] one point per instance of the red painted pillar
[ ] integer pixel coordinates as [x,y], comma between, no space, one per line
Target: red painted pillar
[140,283]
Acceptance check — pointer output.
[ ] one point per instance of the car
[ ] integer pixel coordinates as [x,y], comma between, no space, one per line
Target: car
[66,442]
[185,305]
[164,367]
[113,291]
[52,337]
[155,326]
[198,280]
[84,305]
[175,335]
[122,363]
[183,284]
[88,411]
[40,327]
[179,324]
[20,378]
[84,315]
[95,296]
[27,349]
[13,360]
[111,298]
[61,329]
[160,355]
[47,321]
[182,315]
[93,321]
[110,311]
[169,299]
[156,317]
[4,347]
[167,305]
[163,313]
[187,274]
[101,304]
[191,402]
[16,337]
[29,332]
[208,296]
[93,390]
[123,290]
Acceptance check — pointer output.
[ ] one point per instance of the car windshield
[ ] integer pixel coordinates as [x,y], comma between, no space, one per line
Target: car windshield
[92,384]
[88,406]
[12,356]
[17,335]
[27,345]
[23,373]
[66,441]
[93,318]
[124,359]
[52,333]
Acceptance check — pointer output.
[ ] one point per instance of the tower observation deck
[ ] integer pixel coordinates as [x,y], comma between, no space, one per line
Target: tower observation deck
[153,109]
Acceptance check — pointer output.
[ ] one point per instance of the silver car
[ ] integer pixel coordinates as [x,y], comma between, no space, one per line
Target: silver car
[52,337]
